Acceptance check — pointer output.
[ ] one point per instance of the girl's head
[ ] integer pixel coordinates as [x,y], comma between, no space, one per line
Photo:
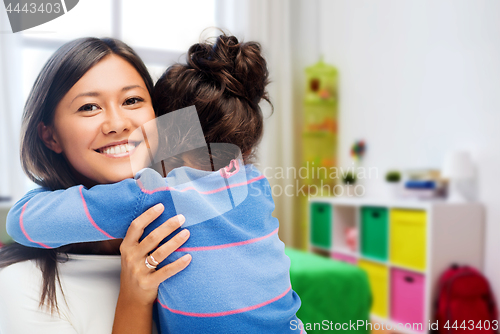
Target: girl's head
[88,98]
[225,80]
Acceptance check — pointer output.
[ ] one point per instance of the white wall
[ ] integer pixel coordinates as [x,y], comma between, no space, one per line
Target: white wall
[418,78]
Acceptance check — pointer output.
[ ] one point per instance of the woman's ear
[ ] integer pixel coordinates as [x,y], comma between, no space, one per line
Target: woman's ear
[46,133]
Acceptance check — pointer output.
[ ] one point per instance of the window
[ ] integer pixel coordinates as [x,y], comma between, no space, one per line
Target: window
[160,31]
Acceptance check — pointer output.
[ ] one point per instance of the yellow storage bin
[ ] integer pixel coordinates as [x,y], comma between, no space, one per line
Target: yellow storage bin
[378,275]
[408,238]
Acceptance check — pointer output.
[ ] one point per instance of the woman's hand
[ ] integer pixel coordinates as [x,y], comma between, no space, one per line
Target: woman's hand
[138,283]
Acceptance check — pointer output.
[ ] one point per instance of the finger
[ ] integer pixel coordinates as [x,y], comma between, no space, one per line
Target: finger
[171,269]
[136,228]
[161,232]
[170,246]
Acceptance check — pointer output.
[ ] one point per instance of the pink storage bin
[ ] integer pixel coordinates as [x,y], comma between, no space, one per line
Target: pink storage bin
[407,297]
[344,258]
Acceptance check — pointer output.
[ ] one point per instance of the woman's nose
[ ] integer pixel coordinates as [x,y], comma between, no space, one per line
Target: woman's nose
[116,122]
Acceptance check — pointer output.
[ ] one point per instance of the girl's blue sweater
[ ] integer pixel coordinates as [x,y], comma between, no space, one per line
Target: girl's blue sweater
[238,280]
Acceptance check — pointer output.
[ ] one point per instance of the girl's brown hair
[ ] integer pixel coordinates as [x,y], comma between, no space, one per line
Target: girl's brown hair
[225,80]
[42,165]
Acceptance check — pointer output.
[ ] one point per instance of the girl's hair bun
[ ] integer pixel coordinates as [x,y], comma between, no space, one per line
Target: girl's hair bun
[238,68]
[225,80]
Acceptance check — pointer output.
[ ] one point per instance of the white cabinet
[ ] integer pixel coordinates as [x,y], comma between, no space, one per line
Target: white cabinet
[403,246]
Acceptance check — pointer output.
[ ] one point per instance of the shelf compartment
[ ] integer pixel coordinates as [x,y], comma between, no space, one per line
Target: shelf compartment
[408,238]
[407,297]
[378,276]
[374,232]
[321,222]
[345,229]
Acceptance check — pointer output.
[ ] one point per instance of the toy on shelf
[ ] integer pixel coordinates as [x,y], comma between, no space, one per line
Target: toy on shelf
[358,150]
[351,238]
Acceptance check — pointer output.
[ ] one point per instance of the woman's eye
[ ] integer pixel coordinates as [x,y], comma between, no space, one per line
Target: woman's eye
[133,100]
[89,107]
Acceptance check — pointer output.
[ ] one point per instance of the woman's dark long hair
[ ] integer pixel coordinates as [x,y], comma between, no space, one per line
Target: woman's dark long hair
[42,165]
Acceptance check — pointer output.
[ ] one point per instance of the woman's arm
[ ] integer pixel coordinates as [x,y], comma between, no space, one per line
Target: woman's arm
[138,284]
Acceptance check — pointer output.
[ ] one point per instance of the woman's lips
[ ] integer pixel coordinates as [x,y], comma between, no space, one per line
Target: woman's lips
[118,151]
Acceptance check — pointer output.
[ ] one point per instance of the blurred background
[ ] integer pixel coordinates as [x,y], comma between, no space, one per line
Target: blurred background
[410,81]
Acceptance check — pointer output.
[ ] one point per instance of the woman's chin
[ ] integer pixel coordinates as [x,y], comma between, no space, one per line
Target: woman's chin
[120,176]
[114,177]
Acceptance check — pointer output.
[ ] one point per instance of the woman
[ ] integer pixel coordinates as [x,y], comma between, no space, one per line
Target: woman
[91,94]
[235,233]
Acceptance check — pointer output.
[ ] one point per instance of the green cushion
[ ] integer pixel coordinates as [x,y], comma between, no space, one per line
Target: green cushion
[329,290]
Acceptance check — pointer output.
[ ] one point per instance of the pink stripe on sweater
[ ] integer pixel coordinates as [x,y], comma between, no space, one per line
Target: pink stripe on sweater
[203,192]
[221,314]
[24,231]
[90,217]
[234,244]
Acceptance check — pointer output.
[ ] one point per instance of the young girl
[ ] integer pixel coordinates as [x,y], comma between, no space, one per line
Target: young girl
[238,281]
[90,93]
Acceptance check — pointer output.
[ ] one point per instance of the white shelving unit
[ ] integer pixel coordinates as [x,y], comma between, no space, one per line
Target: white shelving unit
[403,245]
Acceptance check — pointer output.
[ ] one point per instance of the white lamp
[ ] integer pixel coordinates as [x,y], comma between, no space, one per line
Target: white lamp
[457,167]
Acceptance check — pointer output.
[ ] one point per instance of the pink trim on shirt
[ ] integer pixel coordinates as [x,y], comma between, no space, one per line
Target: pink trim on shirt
[221,314]
[24,231]
[90,217]
[233,244]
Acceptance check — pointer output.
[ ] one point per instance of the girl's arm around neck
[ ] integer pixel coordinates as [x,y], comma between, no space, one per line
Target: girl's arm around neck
[50,219]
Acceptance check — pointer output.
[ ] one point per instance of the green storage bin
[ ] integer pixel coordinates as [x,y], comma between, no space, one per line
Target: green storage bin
[374,232]
[321,225]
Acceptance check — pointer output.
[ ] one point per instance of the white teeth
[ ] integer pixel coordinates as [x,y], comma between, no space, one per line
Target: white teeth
[118,149]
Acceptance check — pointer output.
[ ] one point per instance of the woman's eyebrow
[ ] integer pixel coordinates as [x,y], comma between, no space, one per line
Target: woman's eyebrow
[94,94]
[91,94]
[124,89]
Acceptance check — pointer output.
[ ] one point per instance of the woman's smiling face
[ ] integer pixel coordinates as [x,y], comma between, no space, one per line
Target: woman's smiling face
[93,122]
